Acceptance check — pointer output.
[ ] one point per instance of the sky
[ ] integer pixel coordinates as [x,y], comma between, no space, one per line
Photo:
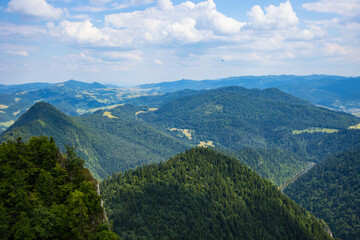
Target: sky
[132,42]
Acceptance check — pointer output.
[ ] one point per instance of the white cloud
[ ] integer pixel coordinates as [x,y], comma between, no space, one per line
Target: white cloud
[332,49]
[344,7]
[78,32]
[186,22]
[22,53]
[36,8]
[157,61]
[281,17]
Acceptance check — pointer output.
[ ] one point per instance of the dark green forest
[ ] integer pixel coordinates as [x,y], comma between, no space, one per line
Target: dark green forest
[331,191]
[235,119]
[108,145]
[202,194]
[48,195]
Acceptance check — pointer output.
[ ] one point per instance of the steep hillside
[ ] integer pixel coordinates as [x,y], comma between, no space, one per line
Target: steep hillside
[47,195]
[108,143]
[276,125]
[331,191]
[275,165]
[234,117]
[201,194]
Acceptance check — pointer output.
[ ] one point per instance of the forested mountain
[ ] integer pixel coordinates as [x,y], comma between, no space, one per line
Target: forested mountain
[201,194]
[108,141]
[76,98]
[276,165]
[336,92]
[331,191]
[229,119]
[47,195]
[233,118]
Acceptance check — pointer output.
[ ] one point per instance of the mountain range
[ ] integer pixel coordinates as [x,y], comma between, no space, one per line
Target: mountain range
[274,133]
[77,98]
[229,119]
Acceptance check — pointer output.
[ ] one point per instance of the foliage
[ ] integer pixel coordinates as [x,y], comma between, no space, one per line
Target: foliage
[107,145]
[202,194]
[46,195]
[275,164]
[331,190]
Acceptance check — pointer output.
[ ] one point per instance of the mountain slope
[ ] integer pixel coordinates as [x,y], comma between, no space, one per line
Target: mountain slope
[235,117]
[45,120]
[47,195]
[108,143]
[201,194]
[331,190]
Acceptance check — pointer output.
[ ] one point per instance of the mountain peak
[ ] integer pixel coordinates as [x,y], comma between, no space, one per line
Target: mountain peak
[41,112]
[78,84]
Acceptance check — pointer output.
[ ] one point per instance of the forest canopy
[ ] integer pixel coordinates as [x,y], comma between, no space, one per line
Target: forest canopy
[48,195]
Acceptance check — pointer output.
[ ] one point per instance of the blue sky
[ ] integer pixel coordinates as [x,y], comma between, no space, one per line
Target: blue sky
[130,42]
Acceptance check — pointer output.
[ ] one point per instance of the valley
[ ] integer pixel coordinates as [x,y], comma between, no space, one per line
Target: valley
[278,137]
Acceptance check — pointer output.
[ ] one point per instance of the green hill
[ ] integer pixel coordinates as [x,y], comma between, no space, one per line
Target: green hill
[331,191]
[47,195]
[229,119]
[234,118]
[108,143]
[201,194]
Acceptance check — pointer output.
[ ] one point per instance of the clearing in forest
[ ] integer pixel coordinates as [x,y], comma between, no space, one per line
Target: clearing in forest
[314,129]
[187,132]
[355,127]
[109,115]
[206,144]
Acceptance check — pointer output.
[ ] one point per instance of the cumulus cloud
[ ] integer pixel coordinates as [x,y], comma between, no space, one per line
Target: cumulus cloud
[36,8]
[22,53]
[164,23]
[78,32]
[281,17]
[186,22]
[345,7]
[273,29]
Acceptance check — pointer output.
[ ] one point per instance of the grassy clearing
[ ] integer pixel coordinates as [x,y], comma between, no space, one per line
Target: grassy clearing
[16,113]
[186,132]
[7,124]
[355,127]
[312,130]
[206,144]
[109,115]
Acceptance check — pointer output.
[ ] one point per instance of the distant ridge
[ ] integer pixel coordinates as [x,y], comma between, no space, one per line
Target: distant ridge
[77,84]
[335,92]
